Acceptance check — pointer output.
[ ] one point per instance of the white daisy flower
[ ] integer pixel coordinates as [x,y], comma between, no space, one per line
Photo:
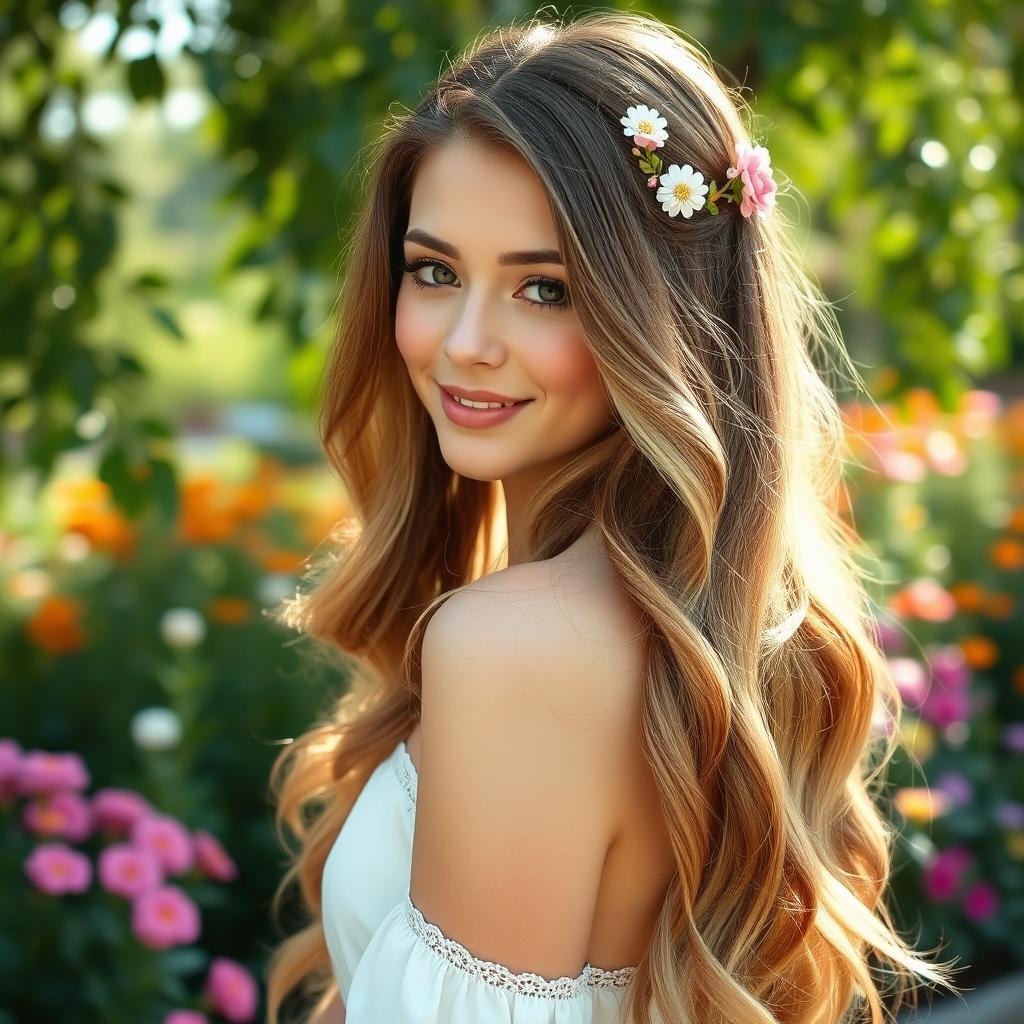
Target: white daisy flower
[644,122]
[682,190]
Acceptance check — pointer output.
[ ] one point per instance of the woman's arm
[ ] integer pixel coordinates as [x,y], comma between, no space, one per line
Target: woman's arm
[332,1013]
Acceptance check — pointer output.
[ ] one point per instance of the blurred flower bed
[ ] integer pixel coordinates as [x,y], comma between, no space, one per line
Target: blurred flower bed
[141,647]
[939,497]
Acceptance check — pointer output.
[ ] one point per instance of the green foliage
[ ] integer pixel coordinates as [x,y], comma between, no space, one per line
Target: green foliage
[900,124]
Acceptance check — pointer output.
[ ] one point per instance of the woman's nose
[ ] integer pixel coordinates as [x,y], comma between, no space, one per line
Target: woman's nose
[473,335]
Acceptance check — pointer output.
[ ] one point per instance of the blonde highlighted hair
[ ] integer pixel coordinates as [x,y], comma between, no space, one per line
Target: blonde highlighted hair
[716,494]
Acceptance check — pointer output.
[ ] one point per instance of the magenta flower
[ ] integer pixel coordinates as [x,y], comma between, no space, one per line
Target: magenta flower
[753,165]
[57,869]
[944,709]
[891,638]
[948,700]
[65,814]
[165,916]
[232,990]
[949,667]
[43,772]
[168,839]
[186,1017]
[211,857]
[10,768]
[129,870]
[981,901]
[117,810]
[944,874]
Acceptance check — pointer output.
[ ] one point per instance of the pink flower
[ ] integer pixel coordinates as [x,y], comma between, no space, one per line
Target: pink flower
[211,857]
[43,772]
[129,870]
[165,916]
[10,768]
[168,839]
[232,990]
[117,810]
[944,873]
[652,181]
[64,814]
[57,869]
[753,165]
[185,1017]
[910,679]
[981,901]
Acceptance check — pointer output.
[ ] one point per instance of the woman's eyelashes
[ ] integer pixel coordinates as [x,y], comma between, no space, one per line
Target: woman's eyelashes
[412,266]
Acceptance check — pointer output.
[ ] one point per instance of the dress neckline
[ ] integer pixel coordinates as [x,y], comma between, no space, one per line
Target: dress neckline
[616,977]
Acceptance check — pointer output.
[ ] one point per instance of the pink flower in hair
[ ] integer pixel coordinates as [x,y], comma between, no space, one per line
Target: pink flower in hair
[56,869]
[165,916]
[186,1017]
[753,165]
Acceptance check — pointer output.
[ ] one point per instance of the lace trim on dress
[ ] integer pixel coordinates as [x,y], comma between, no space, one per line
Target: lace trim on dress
[406,772]
[494,974]
[618,977]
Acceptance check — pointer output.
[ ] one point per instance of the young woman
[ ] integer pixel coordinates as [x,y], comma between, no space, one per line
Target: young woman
[609,747]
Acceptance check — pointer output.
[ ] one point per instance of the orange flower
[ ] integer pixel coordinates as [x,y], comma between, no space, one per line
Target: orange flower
[229,611]
[1008,554]
[56,625]
[85,507]
[1000,606]
[1015,520]
[1018,678]
[924,599]
[282,560]
[921,804]
[969,597]
[206,513]
[922,406]
[979,651]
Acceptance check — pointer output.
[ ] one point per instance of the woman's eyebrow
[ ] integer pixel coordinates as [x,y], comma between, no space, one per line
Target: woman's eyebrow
[506,259]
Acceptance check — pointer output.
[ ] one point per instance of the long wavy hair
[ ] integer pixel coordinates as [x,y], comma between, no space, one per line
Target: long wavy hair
[718,496]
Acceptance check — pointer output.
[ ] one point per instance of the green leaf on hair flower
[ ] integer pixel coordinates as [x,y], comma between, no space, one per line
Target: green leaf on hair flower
[647,167]
[713,207]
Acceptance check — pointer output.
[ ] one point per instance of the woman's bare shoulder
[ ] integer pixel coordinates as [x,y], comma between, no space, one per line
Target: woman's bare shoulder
[572,613]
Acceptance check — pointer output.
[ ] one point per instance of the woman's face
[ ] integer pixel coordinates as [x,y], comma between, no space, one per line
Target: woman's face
[478,322]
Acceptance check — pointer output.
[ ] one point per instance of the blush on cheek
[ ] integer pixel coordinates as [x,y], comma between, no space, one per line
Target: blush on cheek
[565,366]
[412,336]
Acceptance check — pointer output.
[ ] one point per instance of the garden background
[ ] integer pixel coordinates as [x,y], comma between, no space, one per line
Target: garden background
[175,184]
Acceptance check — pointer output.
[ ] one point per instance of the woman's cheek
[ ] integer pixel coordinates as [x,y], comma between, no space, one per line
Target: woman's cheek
[565,369]
[413,333]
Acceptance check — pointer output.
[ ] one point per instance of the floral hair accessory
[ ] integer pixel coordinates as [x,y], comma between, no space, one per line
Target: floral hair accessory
[682,189]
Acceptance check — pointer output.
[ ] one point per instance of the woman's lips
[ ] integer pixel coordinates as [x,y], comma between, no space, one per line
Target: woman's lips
[465,416]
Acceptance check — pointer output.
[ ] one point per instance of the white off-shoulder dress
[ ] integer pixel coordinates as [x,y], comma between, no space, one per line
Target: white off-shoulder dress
[395,967]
